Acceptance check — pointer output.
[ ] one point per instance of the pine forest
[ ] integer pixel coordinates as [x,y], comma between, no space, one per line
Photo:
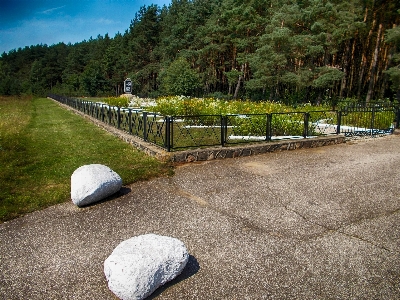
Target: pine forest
[294,51]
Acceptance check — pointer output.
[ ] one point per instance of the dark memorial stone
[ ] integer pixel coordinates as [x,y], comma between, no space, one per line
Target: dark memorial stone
[128,86]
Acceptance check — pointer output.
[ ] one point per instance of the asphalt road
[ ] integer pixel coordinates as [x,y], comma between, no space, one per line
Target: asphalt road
[320,223]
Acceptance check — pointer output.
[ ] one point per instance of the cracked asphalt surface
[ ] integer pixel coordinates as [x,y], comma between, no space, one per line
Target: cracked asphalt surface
[320,223]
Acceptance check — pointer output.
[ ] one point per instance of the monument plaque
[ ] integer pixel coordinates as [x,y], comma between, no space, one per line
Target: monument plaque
[128,86]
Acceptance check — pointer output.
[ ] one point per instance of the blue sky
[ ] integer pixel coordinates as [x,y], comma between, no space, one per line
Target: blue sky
[31,22]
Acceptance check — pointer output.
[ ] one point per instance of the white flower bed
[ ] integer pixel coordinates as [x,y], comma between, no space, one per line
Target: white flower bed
[137,102]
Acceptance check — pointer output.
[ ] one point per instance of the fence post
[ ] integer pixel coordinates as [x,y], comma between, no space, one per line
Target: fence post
[119,118]
[224,129]
[339,120]
[167,133]
[306,120]
[109,114]
[130,120]
[268,132]
[372,120]
[398,117]
[144,116]
[171,137]
[97,111]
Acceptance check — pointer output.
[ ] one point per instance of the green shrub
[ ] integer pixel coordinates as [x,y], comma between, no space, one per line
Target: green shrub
[383,119]
[117,101]
[288,124]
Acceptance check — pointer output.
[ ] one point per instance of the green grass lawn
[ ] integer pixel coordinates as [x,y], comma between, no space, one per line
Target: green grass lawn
[41,144]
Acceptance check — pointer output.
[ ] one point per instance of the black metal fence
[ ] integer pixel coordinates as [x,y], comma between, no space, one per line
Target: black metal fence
[182,132]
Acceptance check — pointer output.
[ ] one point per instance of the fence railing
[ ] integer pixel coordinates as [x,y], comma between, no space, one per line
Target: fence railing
[189,131]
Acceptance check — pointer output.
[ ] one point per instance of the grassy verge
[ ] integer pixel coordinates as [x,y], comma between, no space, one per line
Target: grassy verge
[42,144]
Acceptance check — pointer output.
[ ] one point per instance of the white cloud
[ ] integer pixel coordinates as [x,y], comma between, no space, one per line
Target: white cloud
[106,21]
[51,10]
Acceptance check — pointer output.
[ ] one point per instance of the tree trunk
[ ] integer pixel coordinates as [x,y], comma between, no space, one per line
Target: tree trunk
[364,60]
[343,86]
[392,51]
[239,82]
[387,64]
[373,65]
[352,72]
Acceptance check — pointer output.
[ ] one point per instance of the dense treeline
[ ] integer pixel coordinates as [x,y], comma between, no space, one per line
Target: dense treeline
[288,50]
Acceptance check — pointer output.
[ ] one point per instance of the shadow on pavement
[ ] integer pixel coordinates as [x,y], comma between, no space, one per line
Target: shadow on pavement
[192,267]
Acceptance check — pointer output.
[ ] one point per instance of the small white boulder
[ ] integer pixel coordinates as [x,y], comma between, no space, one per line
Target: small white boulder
[139,265]
[93,183]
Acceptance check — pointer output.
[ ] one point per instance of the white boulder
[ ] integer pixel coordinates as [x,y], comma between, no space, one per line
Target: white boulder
[138,266]
[92,183]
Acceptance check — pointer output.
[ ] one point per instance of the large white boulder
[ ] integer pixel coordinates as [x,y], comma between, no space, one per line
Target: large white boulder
[138,266]
[92,183]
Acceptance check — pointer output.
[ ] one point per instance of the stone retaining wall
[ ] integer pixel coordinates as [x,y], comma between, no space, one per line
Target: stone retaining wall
[211,153]
[254,149]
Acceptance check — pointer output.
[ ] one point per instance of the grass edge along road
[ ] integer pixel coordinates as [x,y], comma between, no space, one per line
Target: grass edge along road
[41,144]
